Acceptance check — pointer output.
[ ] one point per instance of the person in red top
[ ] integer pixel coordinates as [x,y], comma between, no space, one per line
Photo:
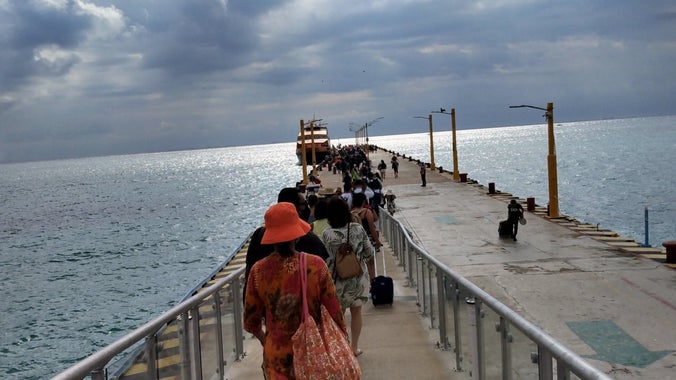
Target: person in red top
[272,307]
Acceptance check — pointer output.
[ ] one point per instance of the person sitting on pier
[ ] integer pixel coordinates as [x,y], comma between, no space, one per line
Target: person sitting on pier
[273,292]
[514,213]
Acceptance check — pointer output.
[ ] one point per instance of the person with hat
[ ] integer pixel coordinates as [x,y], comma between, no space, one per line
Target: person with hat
[309,242]
[273,303]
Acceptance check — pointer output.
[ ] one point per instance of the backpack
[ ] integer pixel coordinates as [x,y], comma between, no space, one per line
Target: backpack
[347,265]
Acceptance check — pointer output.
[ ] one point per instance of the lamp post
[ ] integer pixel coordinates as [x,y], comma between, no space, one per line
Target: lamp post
[551,159]
[456,174]
[356,135]
[429,118]
[365,129]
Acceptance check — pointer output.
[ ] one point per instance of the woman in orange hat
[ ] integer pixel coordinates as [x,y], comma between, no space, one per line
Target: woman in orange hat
[273,293]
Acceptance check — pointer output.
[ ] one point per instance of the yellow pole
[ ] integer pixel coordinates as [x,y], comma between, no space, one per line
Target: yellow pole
[456,175]
[432,166]
[302,150]
[551,165]
[312,136]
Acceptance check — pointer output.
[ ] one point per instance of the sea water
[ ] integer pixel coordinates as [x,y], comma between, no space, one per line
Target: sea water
[92,248]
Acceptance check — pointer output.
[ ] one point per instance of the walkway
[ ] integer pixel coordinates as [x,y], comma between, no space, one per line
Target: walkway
[611,302]
[396,341]
[607,301]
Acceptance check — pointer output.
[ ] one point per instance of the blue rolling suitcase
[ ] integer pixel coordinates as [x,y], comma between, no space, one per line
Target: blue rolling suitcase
[382,287]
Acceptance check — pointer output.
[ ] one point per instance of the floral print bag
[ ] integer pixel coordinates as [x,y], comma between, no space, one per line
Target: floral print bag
[321,352]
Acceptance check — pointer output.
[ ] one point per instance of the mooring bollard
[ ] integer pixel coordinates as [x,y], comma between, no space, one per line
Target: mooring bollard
[463,177]
[671,251]
[530,204]
[491,187]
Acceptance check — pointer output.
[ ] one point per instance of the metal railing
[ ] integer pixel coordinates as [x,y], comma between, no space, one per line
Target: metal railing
[464,314]
[203,335]
[196,339]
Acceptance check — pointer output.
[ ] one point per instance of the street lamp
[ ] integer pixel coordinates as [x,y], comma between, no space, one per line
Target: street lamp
[357,132]
[551,159]
[429,118]
[365,128]
[456,174]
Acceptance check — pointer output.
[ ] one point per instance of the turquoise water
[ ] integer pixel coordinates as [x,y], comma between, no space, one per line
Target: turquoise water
[92,248]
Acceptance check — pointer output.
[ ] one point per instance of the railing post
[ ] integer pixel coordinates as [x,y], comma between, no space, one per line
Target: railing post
[194,346]
[182,325]
[98,374]
[239,323]
[545,370]
[441,300]
[456,326]
[420,273]
[151,354]
[505,348]
[219,336]
[430,276]
[562,371]
[479,330]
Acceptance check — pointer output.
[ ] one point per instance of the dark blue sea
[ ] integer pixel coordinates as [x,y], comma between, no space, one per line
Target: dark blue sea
[92,248]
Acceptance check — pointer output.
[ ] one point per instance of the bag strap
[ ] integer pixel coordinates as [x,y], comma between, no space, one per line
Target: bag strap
[335,258]
[302,267]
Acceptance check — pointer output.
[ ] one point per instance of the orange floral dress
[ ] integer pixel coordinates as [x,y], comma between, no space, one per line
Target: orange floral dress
[273,299]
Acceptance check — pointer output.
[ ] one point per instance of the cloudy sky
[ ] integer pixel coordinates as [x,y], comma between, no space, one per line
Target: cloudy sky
[93,77]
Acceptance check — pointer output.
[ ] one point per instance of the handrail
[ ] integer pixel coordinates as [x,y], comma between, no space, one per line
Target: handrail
[403,245]
[95,363]
[425,272]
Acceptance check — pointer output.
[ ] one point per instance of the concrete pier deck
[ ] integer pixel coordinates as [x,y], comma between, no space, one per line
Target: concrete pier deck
[567,278]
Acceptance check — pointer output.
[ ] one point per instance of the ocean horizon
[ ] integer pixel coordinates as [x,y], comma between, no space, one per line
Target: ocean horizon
[92,248]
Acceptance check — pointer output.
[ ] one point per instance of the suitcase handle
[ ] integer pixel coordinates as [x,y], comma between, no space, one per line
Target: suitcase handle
[375,262]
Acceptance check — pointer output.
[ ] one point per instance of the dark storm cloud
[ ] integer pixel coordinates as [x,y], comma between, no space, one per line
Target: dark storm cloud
[200,37]
[36,26]
[32,27]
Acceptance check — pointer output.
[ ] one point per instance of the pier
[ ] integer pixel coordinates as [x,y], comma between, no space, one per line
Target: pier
[602,296]
[567,300]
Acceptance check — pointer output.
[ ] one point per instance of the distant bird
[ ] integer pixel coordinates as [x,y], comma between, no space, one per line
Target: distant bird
[442,110]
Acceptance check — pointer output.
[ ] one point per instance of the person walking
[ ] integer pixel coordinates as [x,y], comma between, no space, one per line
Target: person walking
[352,292]
[395,166]
[382,168]
[514,214]
[309,242]
[423,173]
[273,303]
[367,217]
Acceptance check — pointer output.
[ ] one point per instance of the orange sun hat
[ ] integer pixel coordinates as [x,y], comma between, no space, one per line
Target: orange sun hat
[282,224]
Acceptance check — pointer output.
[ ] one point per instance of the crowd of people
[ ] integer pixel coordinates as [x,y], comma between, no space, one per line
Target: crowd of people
[316,226]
